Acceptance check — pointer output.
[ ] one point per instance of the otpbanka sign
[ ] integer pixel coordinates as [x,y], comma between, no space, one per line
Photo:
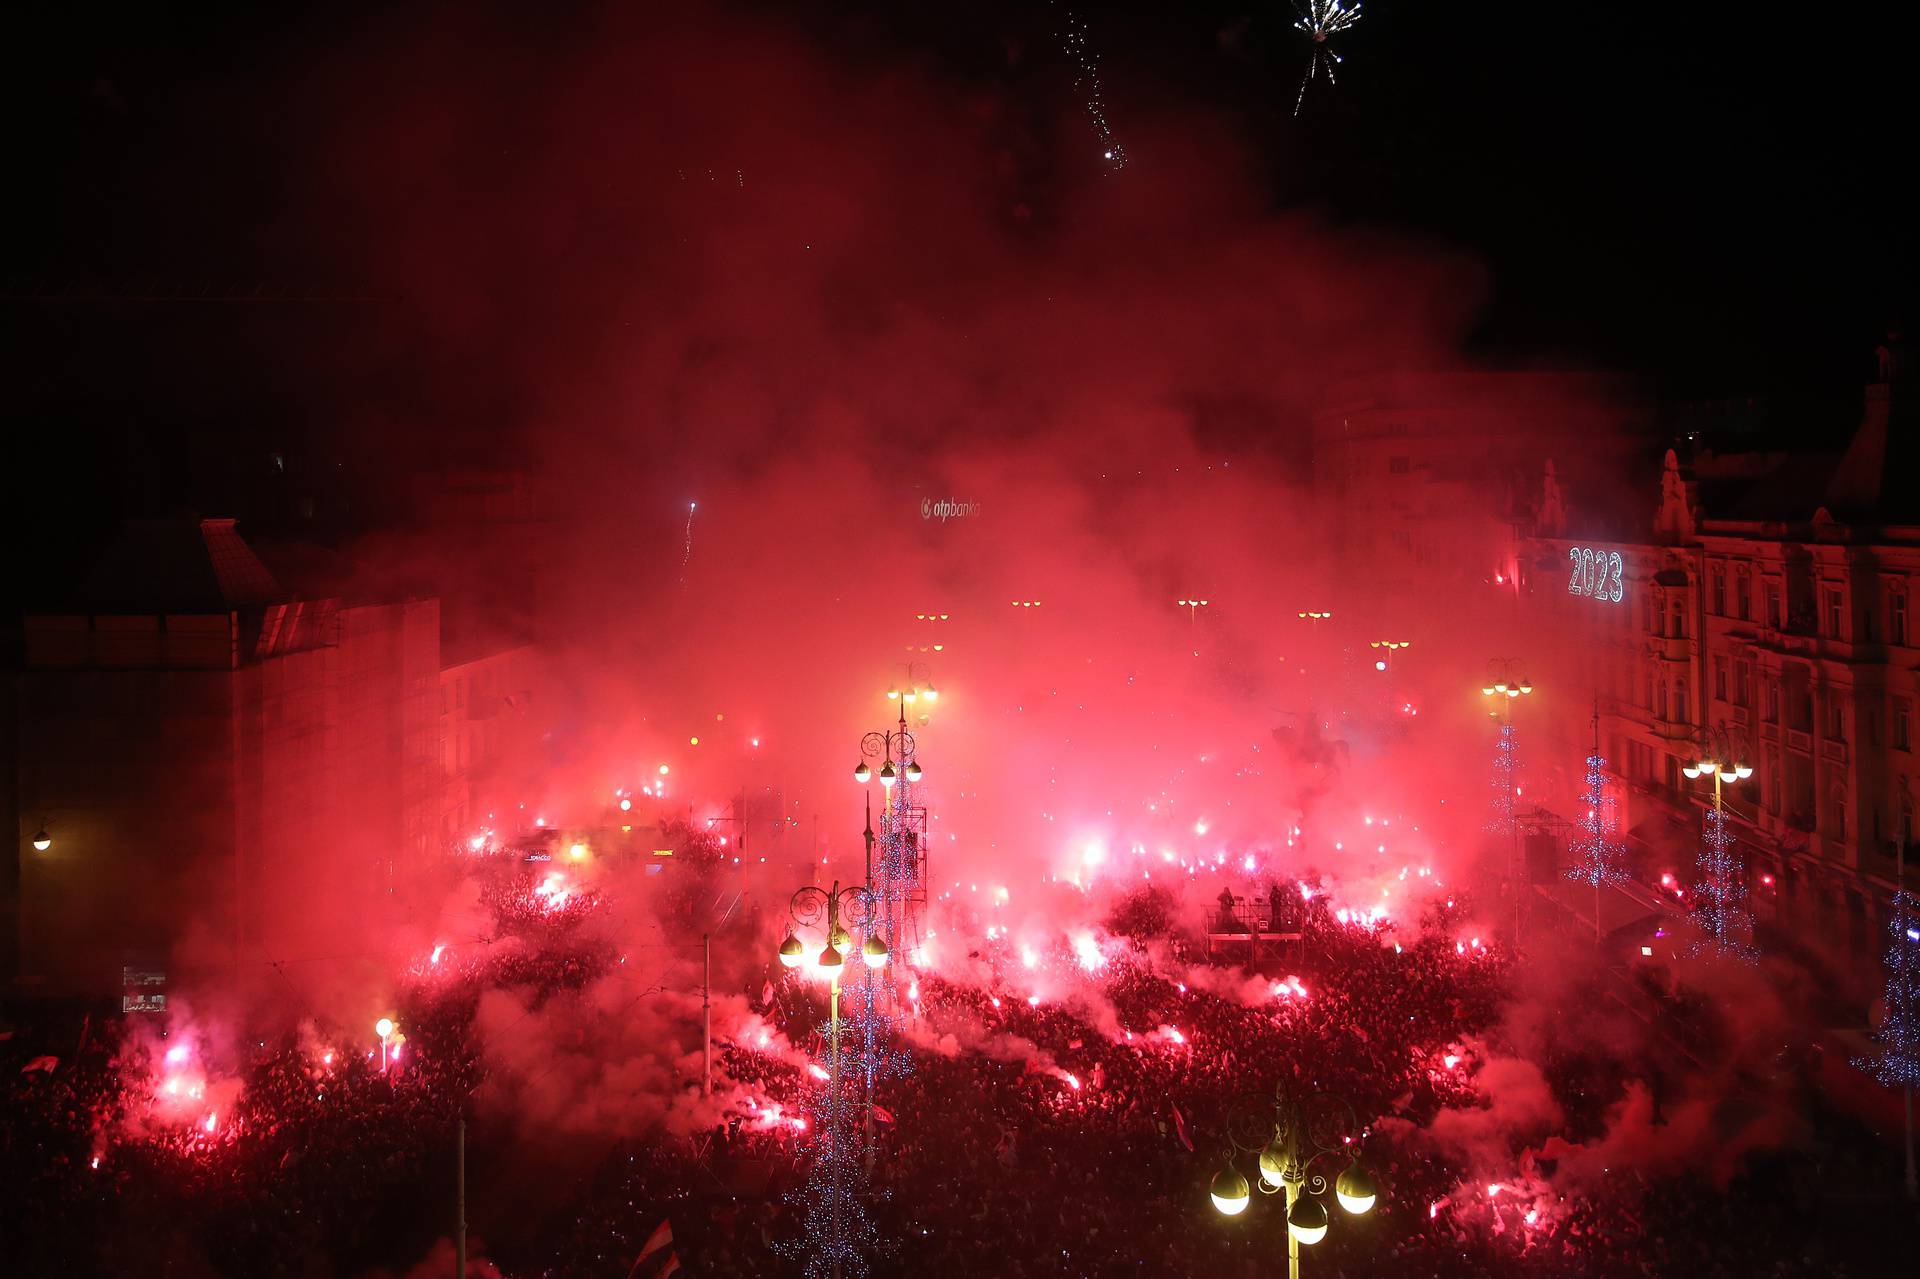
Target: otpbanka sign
[947,509]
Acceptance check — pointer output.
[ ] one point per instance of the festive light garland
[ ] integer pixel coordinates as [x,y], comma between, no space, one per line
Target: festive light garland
[1897,1061]
[1719,904]
[1599,854]
[1500,797]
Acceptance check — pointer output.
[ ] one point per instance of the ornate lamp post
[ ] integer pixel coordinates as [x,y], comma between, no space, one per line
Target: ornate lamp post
[1506,683]
[1723,755]
[1289,1135]
[1392,647]
[934,625]
[919,687]
[838,908]
[1193,608]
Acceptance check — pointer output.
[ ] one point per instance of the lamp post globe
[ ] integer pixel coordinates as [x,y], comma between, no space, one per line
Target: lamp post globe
[887,776]
[42,841]
[874,952]
[862,773]
[913,771]
[1230,1191]
[1354,1189]
[829,958]
[792,952]
[1307,1220]
[1273,1160]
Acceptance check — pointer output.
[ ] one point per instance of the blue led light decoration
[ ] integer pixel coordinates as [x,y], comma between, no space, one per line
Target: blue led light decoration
[1599,856]
[1896,1061]
[1720,895]
[1501,784]
[1506,683]
[1719,898]
[838,1234]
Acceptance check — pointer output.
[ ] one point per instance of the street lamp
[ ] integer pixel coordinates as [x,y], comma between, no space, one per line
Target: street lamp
[933,621]
[837,907]
[919,687]
[894,749]
[1722,755]
[1717,753]
[1193,608]
[1506,680]
[384,1029]
[1506,683]
[41,840]
[1289,1135]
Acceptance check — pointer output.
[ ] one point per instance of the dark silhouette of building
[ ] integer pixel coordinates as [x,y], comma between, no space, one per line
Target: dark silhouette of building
[227,774]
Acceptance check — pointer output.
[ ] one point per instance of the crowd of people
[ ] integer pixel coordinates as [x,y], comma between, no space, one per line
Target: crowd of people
[1066,1126]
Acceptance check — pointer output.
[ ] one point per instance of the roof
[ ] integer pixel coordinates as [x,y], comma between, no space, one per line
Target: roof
[179,566]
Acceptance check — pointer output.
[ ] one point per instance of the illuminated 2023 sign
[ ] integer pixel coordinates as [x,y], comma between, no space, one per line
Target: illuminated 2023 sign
[1598,574]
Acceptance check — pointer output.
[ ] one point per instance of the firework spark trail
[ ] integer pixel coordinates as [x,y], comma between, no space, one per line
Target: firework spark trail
[1321,20]
[688,557]
[1087,80]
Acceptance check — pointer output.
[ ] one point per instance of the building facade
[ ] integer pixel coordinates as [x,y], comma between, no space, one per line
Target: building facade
[228,775]
[1787,638]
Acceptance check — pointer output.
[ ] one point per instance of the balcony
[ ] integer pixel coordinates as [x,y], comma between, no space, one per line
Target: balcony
[1769,732]
[1674,730]
[1800,741]
[1833,751]
[1670,649]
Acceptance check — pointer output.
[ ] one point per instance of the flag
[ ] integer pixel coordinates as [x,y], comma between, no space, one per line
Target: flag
[40,1063]
[673,1264]
[884,1115]
[766,994]
[1180,1127]
[662,1237]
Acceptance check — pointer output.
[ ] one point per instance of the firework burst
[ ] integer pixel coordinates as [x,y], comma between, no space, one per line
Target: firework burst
[1321,20]
[1087,81]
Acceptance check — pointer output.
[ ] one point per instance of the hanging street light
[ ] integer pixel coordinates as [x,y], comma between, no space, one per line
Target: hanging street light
[1290,1134]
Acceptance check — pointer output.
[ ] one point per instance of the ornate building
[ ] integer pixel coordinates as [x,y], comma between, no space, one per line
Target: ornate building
[1769,599]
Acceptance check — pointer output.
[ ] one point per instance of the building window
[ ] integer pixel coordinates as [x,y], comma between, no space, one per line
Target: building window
[1773,605]
[1743,594]
[1902,724]
[1742,684]
[1773,701]
[1719,600]
[1678,704]
[1833,614]
[1720,678]
[1897,618]
[1836,719]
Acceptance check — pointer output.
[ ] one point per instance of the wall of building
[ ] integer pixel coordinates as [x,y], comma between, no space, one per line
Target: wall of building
[1797,643]
[250,793]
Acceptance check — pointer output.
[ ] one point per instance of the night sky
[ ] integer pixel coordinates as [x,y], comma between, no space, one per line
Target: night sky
[1704,195]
